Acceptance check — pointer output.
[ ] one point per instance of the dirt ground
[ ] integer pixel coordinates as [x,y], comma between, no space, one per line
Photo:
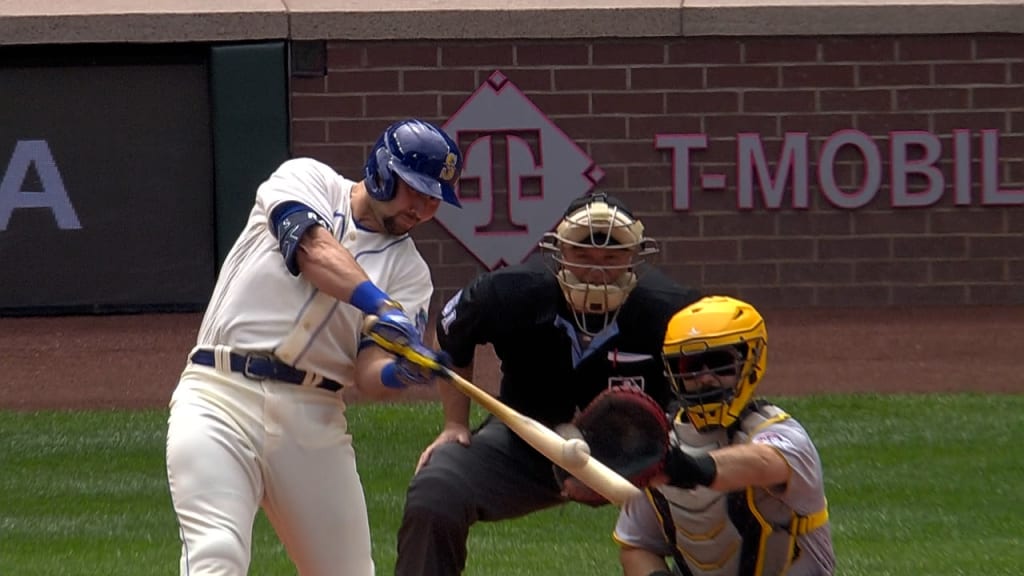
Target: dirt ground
[134,361]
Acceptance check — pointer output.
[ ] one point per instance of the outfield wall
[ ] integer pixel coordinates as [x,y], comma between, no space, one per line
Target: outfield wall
[794,153]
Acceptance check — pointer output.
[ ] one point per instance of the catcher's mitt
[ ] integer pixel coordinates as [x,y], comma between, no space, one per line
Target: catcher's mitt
[627,431]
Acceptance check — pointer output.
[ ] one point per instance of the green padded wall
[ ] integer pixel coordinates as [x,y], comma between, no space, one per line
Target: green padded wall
[249,101]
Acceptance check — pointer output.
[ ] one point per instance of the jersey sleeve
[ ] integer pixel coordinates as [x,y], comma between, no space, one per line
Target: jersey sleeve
[803,491]
[303,180]
[638,526]
[465,320]
[406,280]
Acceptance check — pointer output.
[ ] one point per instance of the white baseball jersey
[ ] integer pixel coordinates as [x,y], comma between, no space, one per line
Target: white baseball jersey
[234,444]
[783,530]
[257,305]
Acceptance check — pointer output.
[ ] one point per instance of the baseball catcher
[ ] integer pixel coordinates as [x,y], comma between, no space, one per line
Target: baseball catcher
[627,431]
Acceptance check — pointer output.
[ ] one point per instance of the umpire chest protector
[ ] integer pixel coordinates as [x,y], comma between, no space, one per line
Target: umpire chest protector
[546,373]
[751,532]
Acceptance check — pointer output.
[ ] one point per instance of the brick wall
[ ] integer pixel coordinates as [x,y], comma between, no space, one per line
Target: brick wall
[613,96]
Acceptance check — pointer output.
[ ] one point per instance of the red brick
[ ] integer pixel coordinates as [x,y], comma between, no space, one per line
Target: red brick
[731,125]
[911,48]
[755,101]
[301,85]
[891,272]
[476,54]
[562,102]
[929,247]
[673,225]
[1003,246]
[894,75]
[878,124]
[946,122]
[344,55]
[622,152]
[665,78]
[933,295]
[853,248]
[995,294]
[959,220]
[742,76]
[1011,46]
[526,79]
[815,272]
[362,81]
[777,297]
[1016,270]
[957,271]
[685,274]
[646,127]
[403,55]
[556,53]
[890,223]
[402,105]
[777,248]
[347,159]
[705,51]
[632,53]
[309,131]
[819,125]
[1017,72]
[627,103]
[856,100]
[780,49]
[830,75]
[970,73]
[317,106]
[741,274]
[851,296]
[858,49]
[1015,221]
[355,129]
[614,177]
[430,250]
[738,225]
[917,99]
[590,79]
[806,223]
[695,250]
[647,202]
[439,81]
[704,102]
[594,128]
[1010,97]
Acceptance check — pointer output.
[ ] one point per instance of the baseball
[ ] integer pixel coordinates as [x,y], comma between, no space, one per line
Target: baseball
[576,453]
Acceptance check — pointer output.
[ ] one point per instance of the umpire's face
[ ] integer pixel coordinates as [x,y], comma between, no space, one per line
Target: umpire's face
[407,209]
[597,265]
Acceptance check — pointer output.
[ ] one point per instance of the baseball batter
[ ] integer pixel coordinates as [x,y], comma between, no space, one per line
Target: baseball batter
[745,492]
[257,419]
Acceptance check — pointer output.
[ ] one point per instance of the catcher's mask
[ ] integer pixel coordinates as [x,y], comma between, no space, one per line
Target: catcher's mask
[594,252]
[715,353]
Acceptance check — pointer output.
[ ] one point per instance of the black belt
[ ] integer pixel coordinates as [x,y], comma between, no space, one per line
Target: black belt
[262,367]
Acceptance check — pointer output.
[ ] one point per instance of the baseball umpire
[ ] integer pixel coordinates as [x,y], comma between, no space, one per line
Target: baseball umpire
[745,492]
[256,419]
[589,318]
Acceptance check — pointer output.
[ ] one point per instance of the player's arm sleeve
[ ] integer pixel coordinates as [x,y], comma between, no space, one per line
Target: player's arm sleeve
[638,526]
[303,181]
[289,222]
[803,490]
[466,319]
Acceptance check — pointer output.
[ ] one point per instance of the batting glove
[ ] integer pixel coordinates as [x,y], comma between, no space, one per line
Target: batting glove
[403,373]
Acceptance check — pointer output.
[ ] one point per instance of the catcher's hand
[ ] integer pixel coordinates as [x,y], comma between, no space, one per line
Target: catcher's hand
[627,431]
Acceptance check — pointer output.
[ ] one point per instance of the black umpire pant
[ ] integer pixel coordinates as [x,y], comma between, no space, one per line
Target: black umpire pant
[497,477]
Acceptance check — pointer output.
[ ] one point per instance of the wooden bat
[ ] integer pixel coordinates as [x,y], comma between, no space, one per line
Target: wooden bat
[571,454]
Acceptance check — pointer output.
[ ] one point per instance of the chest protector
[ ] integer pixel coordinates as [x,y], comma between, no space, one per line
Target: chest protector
[745,533]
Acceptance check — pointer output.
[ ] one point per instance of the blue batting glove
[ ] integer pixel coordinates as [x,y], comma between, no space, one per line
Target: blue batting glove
[403,373]
[394,326]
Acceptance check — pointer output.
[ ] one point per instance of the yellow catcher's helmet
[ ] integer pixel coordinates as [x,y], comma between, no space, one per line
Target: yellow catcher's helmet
[722,336]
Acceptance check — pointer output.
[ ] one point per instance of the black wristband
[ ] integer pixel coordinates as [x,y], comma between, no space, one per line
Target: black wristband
[687,471]
[660,573]
[706,469]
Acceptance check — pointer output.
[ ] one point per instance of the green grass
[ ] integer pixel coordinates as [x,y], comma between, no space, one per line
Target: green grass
[927,484]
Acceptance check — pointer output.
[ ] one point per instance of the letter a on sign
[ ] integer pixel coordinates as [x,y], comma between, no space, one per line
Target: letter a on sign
[53,195]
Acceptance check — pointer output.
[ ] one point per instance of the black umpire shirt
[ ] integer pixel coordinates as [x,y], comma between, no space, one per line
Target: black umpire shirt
[521,311]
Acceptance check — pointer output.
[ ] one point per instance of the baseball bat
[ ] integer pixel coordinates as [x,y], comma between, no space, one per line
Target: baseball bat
[572,454]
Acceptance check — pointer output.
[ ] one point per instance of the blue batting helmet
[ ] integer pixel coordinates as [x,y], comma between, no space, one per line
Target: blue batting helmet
[419,153]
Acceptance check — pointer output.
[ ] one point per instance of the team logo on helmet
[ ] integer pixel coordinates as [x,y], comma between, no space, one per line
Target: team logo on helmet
[450,167]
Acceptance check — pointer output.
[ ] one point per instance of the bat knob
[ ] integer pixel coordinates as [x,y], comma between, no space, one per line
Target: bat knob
[575,453]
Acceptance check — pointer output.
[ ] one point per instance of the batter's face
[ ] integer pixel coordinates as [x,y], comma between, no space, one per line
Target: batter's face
[406,210]
[595,265]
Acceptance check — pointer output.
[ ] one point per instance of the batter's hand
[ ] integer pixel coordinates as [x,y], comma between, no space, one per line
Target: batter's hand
[403,372]
[451,433]
[394,326]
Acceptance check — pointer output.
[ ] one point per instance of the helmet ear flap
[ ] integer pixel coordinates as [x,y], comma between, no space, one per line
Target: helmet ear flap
[380,181]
